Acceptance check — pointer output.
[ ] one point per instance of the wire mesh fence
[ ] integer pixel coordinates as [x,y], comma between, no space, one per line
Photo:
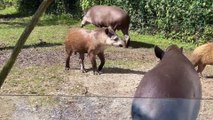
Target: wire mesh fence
[59,107]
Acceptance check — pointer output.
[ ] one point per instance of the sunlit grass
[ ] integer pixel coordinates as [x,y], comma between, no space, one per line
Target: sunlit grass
[52,29]
[9,10]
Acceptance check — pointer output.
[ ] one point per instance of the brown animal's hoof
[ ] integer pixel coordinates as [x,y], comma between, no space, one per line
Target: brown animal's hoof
[126,46]
[100,72]
[96,73]
[83,71]
[67,68]
[120,45]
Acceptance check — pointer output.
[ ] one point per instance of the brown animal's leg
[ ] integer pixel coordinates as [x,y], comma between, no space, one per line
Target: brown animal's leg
[102,59]
[67,66]
[81,56]
[94,64]
[126,35]
[201,68]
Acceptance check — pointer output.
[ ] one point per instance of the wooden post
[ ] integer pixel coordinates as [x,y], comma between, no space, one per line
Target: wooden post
[20,43]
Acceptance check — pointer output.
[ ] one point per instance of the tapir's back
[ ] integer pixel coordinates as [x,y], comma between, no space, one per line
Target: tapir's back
[78,39]
[170,88]
[173,77]
[105,16]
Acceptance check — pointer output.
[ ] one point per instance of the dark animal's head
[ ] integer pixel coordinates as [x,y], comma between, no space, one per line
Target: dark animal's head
[159,53]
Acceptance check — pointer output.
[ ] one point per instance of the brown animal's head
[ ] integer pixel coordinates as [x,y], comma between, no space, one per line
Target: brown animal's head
[112,38]
[159,53]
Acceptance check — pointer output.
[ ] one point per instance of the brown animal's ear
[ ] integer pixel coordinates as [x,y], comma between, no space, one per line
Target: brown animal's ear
[107,31]
[158,52]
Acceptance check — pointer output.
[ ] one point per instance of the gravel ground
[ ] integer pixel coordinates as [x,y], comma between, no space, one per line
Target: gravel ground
[73,96]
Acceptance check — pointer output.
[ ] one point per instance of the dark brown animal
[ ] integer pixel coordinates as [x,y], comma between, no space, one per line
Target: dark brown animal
[108,16]
[93,42]
[202,56]
[169,91]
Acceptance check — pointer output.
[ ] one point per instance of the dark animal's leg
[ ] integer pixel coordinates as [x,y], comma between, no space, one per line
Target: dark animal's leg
[81,56]
[126,35]
[201,68]
[84,22]
[102,59]
[67,66]
[94,64]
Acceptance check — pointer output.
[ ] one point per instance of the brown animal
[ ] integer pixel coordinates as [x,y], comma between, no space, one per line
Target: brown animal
[169,91]
[202,56]
[93,42]
[108,16]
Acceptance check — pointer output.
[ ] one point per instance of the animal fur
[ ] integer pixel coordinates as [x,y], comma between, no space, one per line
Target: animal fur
[202,56]
[93,42]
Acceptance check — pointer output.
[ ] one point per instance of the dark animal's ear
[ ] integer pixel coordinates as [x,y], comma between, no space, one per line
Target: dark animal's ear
[158,52]
[181,49]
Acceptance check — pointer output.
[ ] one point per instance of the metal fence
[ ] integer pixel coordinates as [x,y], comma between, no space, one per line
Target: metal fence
[59,107]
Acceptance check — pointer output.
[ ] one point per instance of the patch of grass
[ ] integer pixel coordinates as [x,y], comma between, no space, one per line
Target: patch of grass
[158,40]
[52,28]
[8,10]
[44,79]
[64,19]
[49,34]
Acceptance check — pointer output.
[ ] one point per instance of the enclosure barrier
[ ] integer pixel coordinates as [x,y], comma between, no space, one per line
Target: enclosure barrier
[65,107]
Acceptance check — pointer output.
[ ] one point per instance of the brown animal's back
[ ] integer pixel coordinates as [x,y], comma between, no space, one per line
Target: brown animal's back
[78,39]
[203,54]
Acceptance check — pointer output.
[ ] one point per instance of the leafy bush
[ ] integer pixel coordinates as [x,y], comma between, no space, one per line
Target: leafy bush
[186,20]
[189,21]
[7,3]
[58,7]
[28,7]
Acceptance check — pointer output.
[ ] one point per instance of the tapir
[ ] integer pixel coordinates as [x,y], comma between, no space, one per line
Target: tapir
[169,91]
[108,16]
[93,42]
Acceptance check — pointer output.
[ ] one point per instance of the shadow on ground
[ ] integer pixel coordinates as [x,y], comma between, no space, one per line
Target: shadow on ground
[12,16]
[13,24]
[111,70]
[41,44]
[210,76]
[136,44]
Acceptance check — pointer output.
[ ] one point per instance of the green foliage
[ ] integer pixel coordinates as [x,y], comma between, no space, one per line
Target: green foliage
[57,7]
[28,7]
[7,3]
[186,20]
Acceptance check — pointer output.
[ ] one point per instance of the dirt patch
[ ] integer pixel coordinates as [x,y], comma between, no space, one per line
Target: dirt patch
[40,70]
